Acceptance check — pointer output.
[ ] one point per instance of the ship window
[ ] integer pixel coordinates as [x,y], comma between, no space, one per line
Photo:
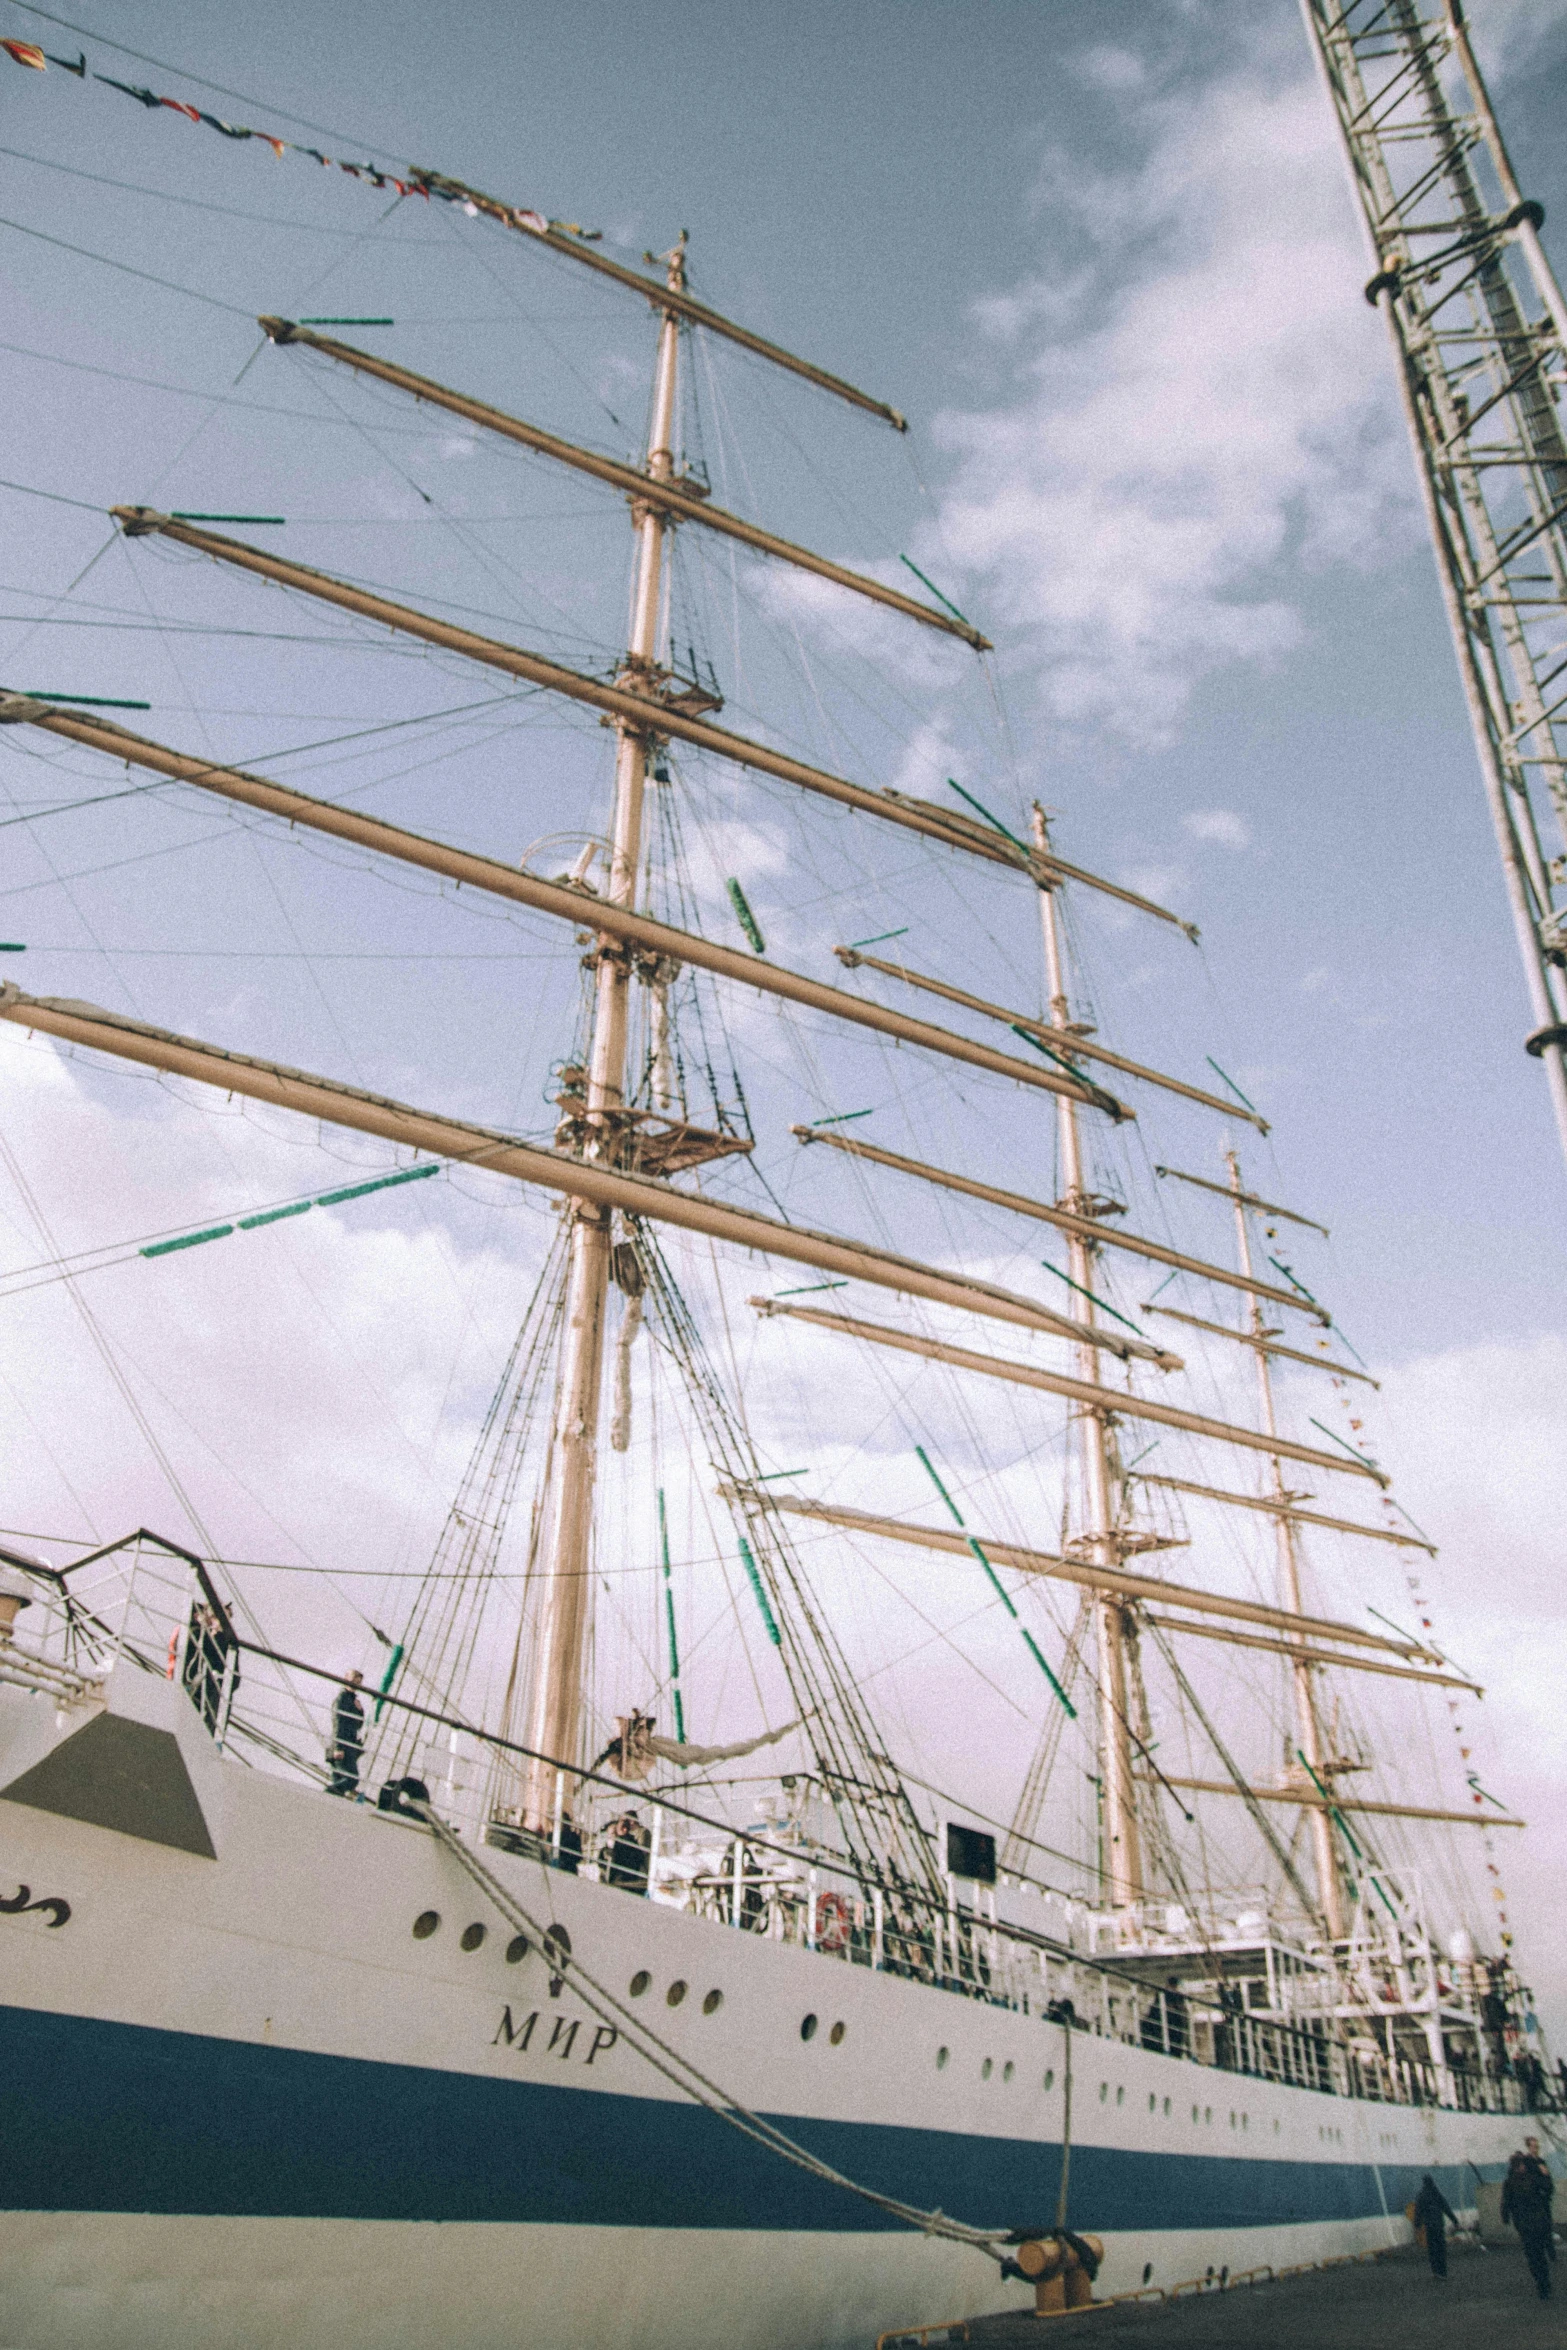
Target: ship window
[1245,2122]
[1104,2091]
[942,2055]
[1207,2113]
[1120,2096]
[1147,2270]
[1152,2102]
[836,2034]
[516,1950]
[808,2027]
[1008,2069]
[1194,2113]
[1167,2109]
[472,1936]
[712,2003]
[640,1982]
[1275,2129]
[1232,2119]
[674,1995]
[425,1924]
[985,2069]
[1050,2078]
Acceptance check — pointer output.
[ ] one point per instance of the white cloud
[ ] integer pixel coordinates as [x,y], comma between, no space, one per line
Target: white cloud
[1196,395]
[1107,68]
[1222,825]
[353,1349]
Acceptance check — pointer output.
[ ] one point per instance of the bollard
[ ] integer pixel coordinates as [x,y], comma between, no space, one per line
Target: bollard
[1060,2277]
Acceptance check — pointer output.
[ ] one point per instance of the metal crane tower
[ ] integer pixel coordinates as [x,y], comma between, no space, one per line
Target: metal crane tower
[1480,331]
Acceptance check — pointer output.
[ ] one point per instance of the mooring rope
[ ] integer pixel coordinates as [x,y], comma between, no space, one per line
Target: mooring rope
[684,2075]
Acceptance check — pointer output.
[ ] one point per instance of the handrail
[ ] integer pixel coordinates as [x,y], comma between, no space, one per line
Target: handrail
[930,1930]
[176,1550]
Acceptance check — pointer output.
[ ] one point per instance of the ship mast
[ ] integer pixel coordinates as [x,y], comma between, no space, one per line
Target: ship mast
[1330,1884]
[1123,1868]
[555,1711]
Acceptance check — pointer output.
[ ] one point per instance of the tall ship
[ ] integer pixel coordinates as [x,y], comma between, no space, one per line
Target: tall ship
[890,1758]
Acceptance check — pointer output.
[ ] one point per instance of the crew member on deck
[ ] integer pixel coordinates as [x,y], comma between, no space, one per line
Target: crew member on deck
[626,1853]
[1432,2211]
[348,1738]
[206,1659]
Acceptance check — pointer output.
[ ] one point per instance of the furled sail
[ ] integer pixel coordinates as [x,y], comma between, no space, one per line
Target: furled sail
[632,1753]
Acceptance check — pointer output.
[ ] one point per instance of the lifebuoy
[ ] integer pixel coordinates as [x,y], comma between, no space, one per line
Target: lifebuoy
[834,1921]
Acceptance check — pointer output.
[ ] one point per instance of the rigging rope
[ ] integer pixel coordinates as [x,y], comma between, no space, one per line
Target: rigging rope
[684,2076]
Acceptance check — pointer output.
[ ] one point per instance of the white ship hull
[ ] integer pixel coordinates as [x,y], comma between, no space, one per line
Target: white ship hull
[246,2105]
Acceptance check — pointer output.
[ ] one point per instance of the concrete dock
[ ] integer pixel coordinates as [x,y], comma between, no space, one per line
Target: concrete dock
[1391,2303]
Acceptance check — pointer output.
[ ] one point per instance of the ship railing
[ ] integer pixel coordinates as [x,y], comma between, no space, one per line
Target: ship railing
[149,1604]
[142,1604]
[739,1877]
[807,1899]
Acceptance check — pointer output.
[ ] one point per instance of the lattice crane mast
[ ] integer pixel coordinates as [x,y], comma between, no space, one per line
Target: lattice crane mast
[1480,331]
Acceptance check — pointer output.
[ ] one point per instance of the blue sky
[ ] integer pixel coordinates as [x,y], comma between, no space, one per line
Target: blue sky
[1105,260]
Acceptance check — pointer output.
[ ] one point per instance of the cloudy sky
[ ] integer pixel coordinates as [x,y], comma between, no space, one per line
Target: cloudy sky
[1105,260]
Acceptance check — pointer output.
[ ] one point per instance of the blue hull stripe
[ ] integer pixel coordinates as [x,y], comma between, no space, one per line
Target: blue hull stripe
[99,2116]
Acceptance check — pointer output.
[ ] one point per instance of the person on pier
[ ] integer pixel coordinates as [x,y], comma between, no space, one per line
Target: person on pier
[1431,2212]
[1527,2193]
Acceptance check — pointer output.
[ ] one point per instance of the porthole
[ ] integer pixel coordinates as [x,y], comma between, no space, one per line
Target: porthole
[641,1981]
[517,1949]
[1120,2096]
[1008,2069]
[836,2034]
[942,2055]
[712,2003]
[1152,2103]
[1050,2078]
[425,1924]
[808,2027]
[986,2069]
[1207,2113]
[1275,2129]
[1245,2122]
[1167,2109]
[1147,2270]
[674,1995]
[1196,2116]
[1104,2091]
[1232,2120]
[472,1937]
